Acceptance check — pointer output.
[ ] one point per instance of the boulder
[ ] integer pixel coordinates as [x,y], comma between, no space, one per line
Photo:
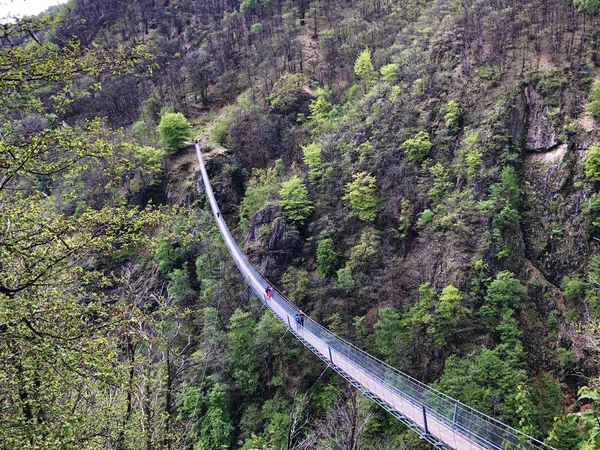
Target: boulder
[271,241]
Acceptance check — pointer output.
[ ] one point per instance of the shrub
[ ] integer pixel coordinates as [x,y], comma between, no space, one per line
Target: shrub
[417,148]
[359,193]
[174,130]
[473,154]
[256,28]
[452,116]
[295,201]
[592,162]
[573,287]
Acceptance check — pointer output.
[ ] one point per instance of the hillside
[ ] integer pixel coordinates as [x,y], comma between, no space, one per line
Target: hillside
[421,178]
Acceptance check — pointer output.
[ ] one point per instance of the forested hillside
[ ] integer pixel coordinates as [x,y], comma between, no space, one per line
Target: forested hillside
[421,177]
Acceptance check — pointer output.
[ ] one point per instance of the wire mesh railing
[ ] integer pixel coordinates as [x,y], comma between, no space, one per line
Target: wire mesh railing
[476,427]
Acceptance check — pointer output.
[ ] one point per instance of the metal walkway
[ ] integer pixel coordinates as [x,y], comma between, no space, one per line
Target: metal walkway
[437,418]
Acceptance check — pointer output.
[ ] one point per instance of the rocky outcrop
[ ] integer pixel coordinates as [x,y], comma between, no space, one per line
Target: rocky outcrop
[270,241]
[541,134]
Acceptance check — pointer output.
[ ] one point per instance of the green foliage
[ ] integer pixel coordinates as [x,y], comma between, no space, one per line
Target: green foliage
[256,28]
[244,365]
[504,293]
[218,131]
[593,107]
[592,162]
[403,218]
[179,284]
[589,419]
[139,130]
[363,68]
[320,107]
[448,313]
[150,158]
[594,269]
[441,182]
[592,207]
[262,189]
[426,217]
[360,196]
[312,158]
[345,281]
[452,116]
[388,330]
[296,284]
[389,73]
[294,199]
[174,130]
[472,155]
[248,5]
[216,430]
[573,287]
[287,93]
[327,257]
[417,148]
[363,254]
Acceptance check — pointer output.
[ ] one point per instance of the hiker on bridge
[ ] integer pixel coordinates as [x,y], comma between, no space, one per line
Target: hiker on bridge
[298,321]
[302,319]
[268,292]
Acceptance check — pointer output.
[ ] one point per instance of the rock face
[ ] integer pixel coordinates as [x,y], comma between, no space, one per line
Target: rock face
[541,135]
[270,241]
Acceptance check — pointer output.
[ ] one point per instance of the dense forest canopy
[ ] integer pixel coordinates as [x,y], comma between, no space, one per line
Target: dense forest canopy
[422,178]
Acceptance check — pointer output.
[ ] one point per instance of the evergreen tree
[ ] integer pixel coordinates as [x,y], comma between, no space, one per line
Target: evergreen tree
[363,68]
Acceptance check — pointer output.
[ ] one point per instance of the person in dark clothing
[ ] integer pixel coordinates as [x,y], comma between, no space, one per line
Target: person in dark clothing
[302,320]
[218,214]
[269,292]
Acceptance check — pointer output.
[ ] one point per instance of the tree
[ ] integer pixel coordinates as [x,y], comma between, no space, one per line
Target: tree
[505,292]
[62,325]
[216,429]
[320,107]
[294,199]
[312,158]
[360,196]
[363,68]
[287,93]
[389,73]
[388,330]
[588,6]
[174,130]
[327,257]
[417,148]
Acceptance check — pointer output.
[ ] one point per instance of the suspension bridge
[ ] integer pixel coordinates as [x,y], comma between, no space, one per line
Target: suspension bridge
[439,419]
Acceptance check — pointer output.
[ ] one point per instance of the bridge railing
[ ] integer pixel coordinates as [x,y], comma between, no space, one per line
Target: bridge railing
[476,426]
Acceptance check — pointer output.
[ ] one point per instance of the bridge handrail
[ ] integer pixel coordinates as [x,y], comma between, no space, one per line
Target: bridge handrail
[477,426]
